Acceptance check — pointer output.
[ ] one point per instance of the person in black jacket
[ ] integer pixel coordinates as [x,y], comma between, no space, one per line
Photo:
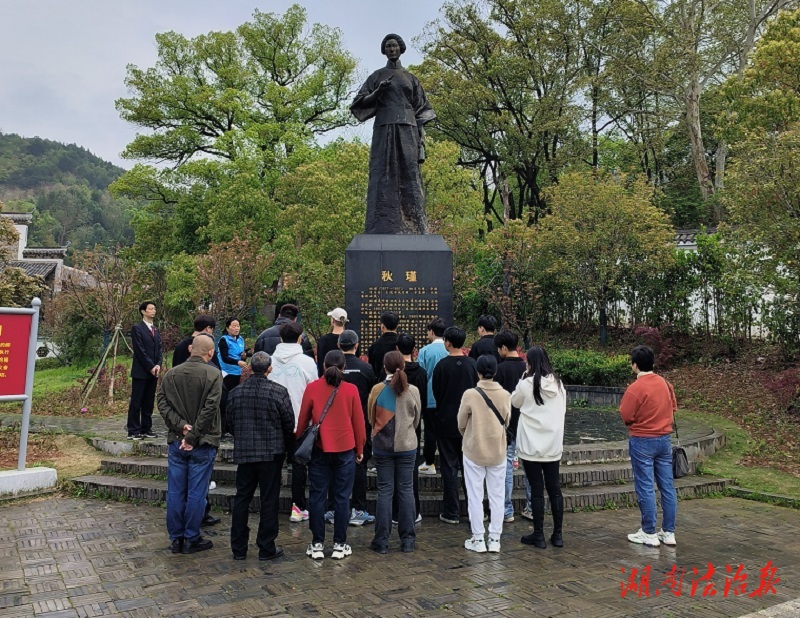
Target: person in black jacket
[487,324]
[417,376]
[509,373]
[145,369]
[452,377]
[387,342]
[330,341]
[269,339]
[263,419]
[360,374]
[203,323]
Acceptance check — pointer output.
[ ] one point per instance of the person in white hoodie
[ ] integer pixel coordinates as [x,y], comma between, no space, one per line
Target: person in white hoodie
[292,369]
[542,401]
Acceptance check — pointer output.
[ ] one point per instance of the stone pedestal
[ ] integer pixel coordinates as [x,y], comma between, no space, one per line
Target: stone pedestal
[25,481]
[408,274]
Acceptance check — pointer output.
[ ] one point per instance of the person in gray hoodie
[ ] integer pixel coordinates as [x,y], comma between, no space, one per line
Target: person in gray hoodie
[542,403]
[293,370]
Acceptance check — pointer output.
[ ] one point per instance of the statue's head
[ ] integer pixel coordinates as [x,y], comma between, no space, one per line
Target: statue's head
[397,40]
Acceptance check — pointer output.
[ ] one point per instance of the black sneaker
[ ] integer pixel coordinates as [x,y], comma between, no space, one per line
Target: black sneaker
[135,436]
[177,546]
[210,520]
[199,544]
[148,434]
[276,554]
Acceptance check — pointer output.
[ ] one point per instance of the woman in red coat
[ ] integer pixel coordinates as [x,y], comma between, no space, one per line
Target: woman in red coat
[333,463]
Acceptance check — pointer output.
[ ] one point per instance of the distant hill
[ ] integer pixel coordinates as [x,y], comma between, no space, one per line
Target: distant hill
[66,188]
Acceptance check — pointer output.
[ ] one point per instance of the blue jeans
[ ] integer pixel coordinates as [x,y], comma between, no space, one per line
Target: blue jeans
[337,472]
[395,470]
[510,453]
[188,475]
[653,457]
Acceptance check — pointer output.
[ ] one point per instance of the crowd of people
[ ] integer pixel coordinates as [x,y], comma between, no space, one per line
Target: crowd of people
[484,412]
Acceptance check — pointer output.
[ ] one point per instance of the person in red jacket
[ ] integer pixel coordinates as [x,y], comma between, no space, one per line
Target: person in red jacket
[340,446]
[648,410]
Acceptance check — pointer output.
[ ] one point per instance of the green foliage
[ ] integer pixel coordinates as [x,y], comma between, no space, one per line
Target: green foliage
[763,198]
[506,92]
[766,96]
[65,187]
[602,235]
[585,367]
[233,112]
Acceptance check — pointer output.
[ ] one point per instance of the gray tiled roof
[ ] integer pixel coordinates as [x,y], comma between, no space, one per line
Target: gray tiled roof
[42,269]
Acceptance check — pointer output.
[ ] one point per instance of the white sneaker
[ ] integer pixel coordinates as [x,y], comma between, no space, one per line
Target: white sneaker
[212,485]
[418,519]
[298,514]
[641,537]
[341,550]
[315,551]
[476,544]
[429,470]
[494,545]
[667,538]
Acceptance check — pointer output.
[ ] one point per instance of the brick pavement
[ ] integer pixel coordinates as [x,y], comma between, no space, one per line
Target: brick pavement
[67,557]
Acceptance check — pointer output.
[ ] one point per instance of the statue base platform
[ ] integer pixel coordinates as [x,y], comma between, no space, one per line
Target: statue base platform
[411,275]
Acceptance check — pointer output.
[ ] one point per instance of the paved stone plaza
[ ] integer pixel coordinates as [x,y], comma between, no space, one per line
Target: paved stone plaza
[72,557]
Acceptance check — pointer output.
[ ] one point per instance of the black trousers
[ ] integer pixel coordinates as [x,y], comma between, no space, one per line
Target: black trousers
[266,475]
[451,459]
[359,498]
[140,409]
[543,475]
[429,444]
[299,478]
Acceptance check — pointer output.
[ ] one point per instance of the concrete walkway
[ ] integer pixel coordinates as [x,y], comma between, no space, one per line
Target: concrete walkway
[69,557]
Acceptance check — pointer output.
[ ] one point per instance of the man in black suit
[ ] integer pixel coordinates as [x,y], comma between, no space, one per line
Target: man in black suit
[147,361]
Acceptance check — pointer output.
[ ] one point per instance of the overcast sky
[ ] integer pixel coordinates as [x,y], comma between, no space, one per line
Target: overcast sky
[62,62]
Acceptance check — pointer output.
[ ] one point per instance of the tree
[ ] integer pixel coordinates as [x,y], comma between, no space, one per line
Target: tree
[231,113]
[603,232]
[503,76]
[763,199]
[16,288]
[697,43]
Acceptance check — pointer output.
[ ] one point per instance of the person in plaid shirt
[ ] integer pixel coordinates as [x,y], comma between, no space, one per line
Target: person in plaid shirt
[263,420]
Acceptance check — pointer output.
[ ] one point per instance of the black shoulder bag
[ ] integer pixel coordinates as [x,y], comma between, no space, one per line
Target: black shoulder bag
[306,442]
[509,435]
[680,462]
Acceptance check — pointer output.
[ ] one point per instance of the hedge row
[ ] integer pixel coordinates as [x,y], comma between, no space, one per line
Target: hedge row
[588,368]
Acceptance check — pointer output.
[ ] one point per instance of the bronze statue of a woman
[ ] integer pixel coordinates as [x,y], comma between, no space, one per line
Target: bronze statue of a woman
[395,98]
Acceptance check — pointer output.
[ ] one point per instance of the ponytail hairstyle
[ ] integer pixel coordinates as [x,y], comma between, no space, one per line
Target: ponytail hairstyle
[334,367]
[394,363]
[539,367]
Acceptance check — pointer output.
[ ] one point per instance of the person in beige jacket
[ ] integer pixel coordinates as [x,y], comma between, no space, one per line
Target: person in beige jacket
[484,431]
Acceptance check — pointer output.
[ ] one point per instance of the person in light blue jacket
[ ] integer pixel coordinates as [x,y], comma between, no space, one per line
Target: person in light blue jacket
[427,358]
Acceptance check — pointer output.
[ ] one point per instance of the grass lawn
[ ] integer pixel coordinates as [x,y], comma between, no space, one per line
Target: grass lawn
[727,461]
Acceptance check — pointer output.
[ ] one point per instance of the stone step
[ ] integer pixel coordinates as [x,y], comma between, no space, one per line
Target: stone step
[574,454]
[594,497]
[225,473]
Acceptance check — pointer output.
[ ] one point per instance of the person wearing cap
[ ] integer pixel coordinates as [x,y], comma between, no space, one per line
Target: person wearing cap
[269,339]
[360,374]
[261,413]
[484,414]
[329,342]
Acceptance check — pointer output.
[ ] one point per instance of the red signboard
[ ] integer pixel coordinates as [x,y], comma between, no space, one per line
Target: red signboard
[15,333]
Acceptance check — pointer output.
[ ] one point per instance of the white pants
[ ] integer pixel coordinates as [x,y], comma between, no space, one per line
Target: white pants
[495,477]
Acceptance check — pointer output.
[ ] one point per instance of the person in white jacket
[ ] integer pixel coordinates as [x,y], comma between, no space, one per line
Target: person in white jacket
[542,401]
[292,369]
